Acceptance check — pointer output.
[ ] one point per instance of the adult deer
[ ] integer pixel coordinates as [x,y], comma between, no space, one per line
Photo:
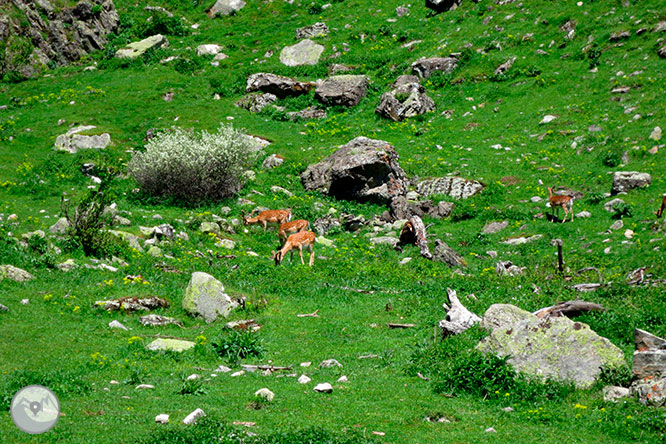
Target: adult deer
[564,202]
[661,209]
[294,226]
[304,239]
[272,217]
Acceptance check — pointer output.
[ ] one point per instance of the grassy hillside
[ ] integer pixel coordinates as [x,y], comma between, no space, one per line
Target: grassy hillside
[490,132]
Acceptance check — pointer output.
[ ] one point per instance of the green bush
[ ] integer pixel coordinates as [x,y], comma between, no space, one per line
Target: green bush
[236,345]
[188,66]
[195,166]
[621,210]
[161,23]
[610,158]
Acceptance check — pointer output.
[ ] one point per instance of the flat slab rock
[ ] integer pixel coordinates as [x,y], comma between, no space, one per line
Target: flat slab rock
[343,90]
[305,52]
[137,49]
[628,180]
[73,141]
[362,170]
[456,187]
[280,86]
[557,348]
[165,344]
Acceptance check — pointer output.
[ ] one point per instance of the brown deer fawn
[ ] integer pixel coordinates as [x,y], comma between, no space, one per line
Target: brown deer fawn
[294,226]
[661,209]
[301,240]
[564,202]
[273,217]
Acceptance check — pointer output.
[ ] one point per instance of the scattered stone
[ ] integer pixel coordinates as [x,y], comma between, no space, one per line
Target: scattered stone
[225,7]
[226,243]
[305,52]
[655,134]
[384,240]
[458,318]
[165,344]
[456,187]
[192,417]
[272,161]
[610,205]
[73,141]
[144,386]
[238,373]
[662,52]
[132,304]
[279,86]
[547,119]
[491,430]
[245,324]
[619,35]
[222,369]
[209,227]
[324,387]
[338,67]
[265,394]
[407,99]
[319,29]
[549,348]
[362,170]
[155,320]
[424,68]
[137,49]
[508,409]
[209,49]
[401,11]
[443,5]
[329,363]
[307,114]
[117,324]
[277,189]
[446,254]
[3,308]
[617,225]
[14,274]
[162,419]
[60,227]
[628,180]
[304,379]
[255,103]
[343,378]
[25,301]
[613,393]
[130,238]
[154,251]
[343,90]
[649,368]
[495,227]
[522,239]
[205,297]
[584,214]
[504,67]
[508,268]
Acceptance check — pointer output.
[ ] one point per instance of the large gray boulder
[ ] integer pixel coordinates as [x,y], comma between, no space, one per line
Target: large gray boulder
[14,274]
[453,186]
[280,86]
[205,297]
[556,348]
[443,5]
[73,141]
[362,170]
[137,49]
[424,68]
[628,180]
[225,7]
[344,90]
[407,99]
[305,52]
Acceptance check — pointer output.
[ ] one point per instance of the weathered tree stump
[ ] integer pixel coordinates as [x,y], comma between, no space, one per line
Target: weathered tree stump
[458,318]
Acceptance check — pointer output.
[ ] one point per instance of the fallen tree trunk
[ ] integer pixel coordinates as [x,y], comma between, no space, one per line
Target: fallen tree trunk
[414,232]
[458,318]
[569,309]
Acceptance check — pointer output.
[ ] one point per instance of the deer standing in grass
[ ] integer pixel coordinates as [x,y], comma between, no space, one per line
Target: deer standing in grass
[272,217]
[301,240]
[661,209]
[294,226]
[564,202]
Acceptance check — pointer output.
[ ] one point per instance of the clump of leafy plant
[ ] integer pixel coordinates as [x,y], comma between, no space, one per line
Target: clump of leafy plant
[192,386]
[621,210]
[236,345]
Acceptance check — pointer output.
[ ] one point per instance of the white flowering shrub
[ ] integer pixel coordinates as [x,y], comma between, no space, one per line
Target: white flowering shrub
[194,166]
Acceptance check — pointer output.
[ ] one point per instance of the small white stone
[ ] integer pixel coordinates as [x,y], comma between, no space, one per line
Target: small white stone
[330,363]
[491,430]
[607,250]
[547,119]
[264,393]
[304,379]
[144,386]
[162,419]
[114,382]
[25,301]
[192,417]
[238,373]
[117,324]
[306,364]
[343,378]
[192,377]
[222,369]
[629,234]
[324,387]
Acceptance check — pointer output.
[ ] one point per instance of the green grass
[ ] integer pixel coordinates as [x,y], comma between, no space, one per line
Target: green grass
[59,339]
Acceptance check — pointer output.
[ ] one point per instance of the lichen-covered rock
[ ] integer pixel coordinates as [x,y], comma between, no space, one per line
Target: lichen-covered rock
[446,254]
[343,90]
[137,49]
[651,391]
[131,239]
[205,297]
[14,274]
[408,99]
[456,187]
[225,7]
[165,344]
[424,68]
[319,29]
[649,368]
[556,348]
[280,86]
[362,170]
[628,180]
[73,141]
[272,161]
[502,315]
[209,227]
[305,52]
[60,227]
[255,103]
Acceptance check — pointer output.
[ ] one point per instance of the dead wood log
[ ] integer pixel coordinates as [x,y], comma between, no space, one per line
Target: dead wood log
[414,232]
[393,325]
[309,315]
[458,318]
[569,309]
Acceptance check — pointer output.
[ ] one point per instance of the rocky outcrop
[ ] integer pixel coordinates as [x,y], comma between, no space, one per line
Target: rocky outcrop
[225,7]
[280,86]
[556,348]
[443,5]
[628,180]
[649,368]
[205,297]
[73,141]
[137,49]
[407,99]
[305,52]
[453,186]
[343,90]
[52,35]
[362,170]
[424,68]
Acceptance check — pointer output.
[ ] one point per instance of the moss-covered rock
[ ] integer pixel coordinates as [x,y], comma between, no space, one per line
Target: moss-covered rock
[176,345]
[205,297]
[556,348]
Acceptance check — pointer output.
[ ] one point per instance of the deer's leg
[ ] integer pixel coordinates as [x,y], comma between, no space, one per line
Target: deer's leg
[311,256]
[300,253]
